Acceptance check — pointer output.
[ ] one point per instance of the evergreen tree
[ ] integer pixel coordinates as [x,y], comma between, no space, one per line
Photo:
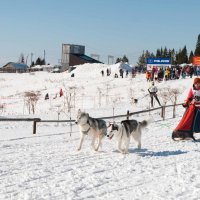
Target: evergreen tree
[125,59]
[191,57]
[184,55]
[32,64]
[43,62]
[152,55]
[142,60]
[118,60]
[147,54]
[172,55]
[181,56]
[161,52]
[158,53]
[178,57]
[197,50]
[165,53]
[38,61]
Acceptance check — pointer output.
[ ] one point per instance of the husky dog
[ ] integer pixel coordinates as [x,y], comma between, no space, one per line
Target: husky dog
[96,128]
[123,132]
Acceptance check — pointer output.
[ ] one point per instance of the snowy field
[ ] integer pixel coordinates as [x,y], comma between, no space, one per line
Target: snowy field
[48,166]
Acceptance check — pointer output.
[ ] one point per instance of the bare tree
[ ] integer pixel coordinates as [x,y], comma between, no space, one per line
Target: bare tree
[107,91]
[175,93]
[70,97]
[99,95]
[31,99]
[114,101]
[166,95]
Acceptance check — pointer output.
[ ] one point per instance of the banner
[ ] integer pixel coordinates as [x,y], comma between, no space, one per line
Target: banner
[159,61]
[196,60]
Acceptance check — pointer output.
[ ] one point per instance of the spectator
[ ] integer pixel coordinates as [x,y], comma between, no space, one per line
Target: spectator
[61,92]
[46,96]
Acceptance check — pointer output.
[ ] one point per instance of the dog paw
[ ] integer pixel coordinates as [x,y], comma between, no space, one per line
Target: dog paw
[124,151]
[121,151]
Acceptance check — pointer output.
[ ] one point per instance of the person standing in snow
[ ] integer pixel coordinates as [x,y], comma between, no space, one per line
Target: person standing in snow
[121,72]
[46,96]
[107,71]
[61,92]
[126,73]
[153,93]
[189,124]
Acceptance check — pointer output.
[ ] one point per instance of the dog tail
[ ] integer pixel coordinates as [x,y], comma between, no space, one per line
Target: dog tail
[143,123]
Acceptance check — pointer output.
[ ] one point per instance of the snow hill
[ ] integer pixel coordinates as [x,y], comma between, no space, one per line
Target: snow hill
[48,166]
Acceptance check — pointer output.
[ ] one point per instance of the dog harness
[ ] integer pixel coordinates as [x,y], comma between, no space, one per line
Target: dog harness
[86,132]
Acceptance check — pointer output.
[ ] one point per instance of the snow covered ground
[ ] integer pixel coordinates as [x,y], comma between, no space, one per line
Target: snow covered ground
[48,166]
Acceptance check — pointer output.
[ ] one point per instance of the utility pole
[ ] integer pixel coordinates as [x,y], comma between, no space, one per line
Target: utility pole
[31,58]
[44,56]
[27,58]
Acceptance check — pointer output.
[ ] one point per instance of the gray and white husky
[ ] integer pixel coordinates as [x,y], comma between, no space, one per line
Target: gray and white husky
[124,131]
[96,128]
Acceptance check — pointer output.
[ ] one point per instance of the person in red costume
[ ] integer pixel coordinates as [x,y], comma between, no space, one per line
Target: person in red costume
[190,122]
[194,94]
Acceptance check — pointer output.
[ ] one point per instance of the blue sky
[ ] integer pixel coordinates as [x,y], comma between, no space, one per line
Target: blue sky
[105,27]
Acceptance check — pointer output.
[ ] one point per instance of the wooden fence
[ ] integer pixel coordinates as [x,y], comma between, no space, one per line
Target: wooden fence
[127,115]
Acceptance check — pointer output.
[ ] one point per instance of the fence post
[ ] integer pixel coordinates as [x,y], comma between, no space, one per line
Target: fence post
[174,110]
[127,115]
[34,127]
[163,112]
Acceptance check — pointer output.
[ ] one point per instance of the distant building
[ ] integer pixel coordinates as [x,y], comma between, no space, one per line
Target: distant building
[13,67]
[45,68]
[74,55]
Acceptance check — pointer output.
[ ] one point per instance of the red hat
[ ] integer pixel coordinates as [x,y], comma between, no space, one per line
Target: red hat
[196,80]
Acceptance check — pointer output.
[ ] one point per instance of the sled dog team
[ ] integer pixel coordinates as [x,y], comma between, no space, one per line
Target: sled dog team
[97,129]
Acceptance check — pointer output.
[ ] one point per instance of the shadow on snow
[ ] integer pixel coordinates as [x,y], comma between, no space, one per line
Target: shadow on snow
[145,152]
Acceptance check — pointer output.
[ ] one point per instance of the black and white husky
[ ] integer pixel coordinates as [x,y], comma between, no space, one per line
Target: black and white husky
[124,131]
[96,128]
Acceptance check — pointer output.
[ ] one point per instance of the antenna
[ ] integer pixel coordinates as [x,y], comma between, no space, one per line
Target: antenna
[31,58]
[112,59]
[44,55]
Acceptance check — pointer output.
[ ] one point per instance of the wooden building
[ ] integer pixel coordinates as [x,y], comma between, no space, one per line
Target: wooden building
[13,67]
[74,55]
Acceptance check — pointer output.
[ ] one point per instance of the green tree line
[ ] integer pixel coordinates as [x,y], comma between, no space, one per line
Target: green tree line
[177,57]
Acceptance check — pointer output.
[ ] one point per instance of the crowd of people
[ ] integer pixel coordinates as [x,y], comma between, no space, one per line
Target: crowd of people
[171,73]
[122,73]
